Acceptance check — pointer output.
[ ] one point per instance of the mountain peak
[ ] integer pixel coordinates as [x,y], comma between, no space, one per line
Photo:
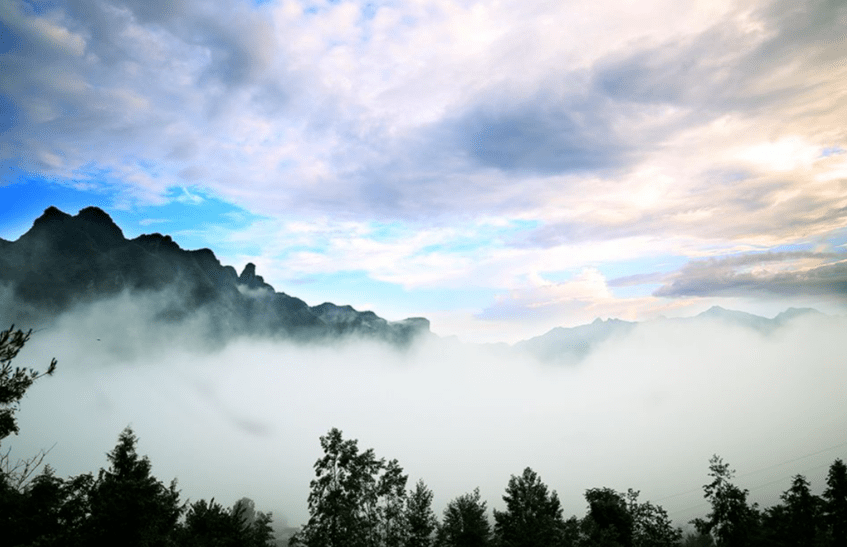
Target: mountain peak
[96,215]
[51,215]
[249,279]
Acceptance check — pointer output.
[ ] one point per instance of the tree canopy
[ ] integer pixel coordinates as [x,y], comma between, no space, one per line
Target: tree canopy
[465,523]
[356,499]
[731,522]
[533,515]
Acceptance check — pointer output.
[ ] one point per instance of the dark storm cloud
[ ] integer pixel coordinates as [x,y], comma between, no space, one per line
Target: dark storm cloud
[730,277]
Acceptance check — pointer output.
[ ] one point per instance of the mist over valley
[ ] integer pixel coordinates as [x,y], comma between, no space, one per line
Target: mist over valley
[231,407]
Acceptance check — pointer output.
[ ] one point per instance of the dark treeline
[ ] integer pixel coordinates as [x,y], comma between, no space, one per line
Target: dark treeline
[123,504]
[359,500]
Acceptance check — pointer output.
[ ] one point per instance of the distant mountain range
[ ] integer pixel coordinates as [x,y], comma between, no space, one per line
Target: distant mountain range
[568,345]
[65,260]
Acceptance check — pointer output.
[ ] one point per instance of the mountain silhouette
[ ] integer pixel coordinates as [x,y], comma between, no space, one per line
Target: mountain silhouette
[64,261]
[568,345]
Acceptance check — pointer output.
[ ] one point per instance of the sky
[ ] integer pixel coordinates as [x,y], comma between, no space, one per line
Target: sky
[498,167]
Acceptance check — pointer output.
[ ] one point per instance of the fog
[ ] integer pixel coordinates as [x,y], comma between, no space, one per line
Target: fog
[243,418]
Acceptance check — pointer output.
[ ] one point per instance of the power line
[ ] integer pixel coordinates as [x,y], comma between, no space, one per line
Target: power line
[749,473]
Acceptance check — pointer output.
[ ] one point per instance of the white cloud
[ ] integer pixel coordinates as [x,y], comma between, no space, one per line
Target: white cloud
[614,130]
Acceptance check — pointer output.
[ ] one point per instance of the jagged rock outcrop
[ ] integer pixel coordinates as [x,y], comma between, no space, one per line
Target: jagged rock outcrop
[66,260]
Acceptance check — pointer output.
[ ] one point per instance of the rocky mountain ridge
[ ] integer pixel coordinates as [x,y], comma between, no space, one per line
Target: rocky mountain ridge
[65,260]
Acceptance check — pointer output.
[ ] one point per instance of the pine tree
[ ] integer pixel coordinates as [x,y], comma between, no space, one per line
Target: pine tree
[421,520]
[835,502]
[801,514]
[129,506]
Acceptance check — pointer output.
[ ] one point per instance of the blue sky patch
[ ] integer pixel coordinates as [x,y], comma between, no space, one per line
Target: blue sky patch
[188,214]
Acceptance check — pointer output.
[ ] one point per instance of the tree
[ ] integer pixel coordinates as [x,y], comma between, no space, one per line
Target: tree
[210,525]
[14,382]
[256,524]
[608,522]
[464,523]
[355,500]
[801,513]
[129,506]
[732,522]
[835,502]
[533,516]
[697,540]
[49,511]
[420,519]
[651,526]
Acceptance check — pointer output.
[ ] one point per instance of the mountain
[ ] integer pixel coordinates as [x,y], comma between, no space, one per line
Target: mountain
[64,261]
[575,343]
[571,345]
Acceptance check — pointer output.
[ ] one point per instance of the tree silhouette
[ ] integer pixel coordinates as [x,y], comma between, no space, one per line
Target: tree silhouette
[464,523]
[129,506]
[800,518]
[420,519]
[835,502]
[211,525]
[14,382]
[732,522]
[356,500]
[533,516]
[608,522]
[651,526]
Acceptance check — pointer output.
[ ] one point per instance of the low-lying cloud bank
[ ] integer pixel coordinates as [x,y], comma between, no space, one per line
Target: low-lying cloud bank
[644,410]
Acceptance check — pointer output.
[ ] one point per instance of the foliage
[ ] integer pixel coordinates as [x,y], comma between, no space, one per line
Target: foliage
[256,524]
[355,500]
[800,521]
[129,506]
[608,522]
[732,522]
[14,382]
[464,523]
[211,525]
[533,515]
[420,519]
[651,525]
[698,540]
[835,502]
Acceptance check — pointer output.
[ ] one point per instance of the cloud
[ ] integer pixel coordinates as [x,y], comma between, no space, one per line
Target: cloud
[701,132]
[643,411]
[784,274]
[545,135]
[399,111]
